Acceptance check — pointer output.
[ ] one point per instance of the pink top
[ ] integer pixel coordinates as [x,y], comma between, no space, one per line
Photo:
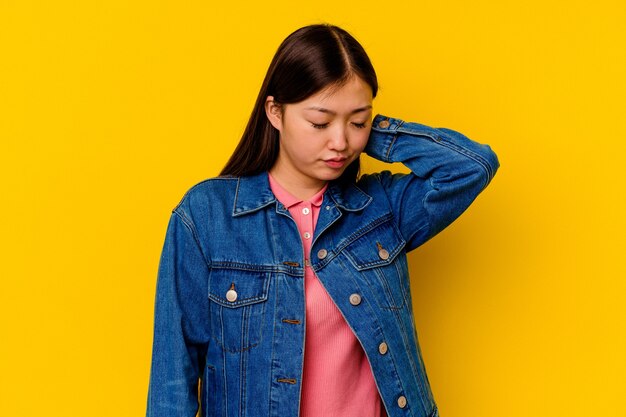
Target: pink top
[337,379]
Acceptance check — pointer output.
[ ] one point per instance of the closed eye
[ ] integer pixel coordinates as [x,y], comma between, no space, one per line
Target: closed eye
[359,125]
[319,126]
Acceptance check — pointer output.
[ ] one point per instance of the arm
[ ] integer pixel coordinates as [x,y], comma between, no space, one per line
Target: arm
[448,171]
[180,324]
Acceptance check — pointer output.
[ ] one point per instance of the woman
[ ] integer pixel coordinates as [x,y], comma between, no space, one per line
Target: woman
[283,286]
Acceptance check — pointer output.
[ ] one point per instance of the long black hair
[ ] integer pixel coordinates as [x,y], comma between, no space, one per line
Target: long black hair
[309,60]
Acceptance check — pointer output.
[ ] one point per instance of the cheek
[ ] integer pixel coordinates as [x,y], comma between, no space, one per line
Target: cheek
[303,148]
[296,140]
[360,140]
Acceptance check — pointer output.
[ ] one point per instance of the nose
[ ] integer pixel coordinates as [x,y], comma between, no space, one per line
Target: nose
[338,140]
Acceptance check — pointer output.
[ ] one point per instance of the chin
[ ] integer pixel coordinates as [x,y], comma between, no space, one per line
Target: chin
[331,175]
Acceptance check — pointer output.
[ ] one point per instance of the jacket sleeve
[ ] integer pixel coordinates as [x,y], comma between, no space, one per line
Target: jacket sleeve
[448,171]
[180,323]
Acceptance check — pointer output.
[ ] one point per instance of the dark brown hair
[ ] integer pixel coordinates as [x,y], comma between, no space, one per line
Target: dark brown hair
[309,60]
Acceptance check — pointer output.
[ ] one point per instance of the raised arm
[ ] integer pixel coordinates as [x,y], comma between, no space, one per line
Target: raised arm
[448,171]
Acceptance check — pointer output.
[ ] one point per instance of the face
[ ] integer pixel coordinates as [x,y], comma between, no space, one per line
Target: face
[322,135]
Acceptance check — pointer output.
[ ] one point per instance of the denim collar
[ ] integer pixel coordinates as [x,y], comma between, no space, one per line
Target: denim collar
[254,192]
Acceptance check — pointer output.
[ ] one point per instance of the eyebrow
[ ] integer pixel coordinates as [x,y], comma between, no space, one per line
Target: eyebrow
[324,110]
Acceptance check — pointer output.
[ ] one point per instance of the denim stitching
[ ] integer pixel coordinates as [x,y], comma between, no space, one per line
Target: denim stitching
[406,343]
[232,350]
[243,358]
[255,267]
[387,290]
[380,262]
[191,228]
[351,238]
[378,326]
[475,157]
[184,198]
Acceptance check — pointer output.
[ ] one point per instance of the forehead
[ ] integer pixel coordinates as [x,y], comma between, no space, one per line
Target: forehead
[354,93]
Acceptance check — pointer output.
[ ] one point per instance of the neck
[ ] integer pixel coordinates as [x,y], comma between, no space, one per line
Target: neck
[300,188]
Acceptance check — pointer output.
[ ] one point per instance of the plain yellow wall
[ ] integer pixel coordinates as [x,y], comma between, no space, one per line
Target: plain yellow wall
[110,110]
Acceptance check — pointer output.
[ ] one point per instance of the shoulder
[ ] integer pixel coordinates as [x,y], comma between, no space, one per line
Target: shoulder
[207,196]
[208,188]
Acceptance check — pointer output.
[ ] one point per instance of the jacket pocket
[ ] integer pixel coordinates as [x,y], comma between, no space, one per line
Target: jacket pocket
[237,306]
[378,253]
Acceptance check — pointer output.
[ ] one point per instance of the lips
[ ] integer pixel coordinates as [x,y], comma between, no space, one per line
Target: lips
[336,162]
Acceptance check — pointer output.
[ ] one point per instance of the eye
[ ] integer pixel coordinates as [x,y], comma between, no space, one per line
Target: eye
[319,126]
[359,125]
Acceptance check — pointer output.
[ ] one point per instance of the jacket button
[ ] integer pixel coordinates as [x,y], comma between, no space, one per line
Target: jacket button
[382,348]
[383,124]
[355,299]
[231,295]
[321,254]
[402,401]
[383,254]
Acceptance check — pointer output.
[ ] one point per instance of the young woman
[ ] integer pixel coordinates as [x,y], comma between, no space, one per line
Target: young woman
[283,286]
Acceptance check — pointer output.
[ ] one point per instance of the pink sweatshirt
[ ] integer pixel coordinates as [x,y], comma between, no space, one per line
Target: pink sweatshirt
[337,379]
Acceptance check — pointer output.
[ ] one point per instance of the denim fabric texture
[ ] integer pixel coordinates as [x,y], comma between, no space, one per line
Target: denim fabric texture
[230,312]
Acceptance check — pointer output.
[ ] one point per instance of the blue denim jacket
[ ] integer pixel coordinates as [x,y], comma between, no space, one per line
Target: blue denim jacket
[243,355]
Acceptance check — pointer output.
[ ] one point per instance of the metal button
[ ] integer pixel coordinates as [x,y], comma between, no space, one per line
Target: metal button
[402,401]
[322,253]
[383,254]
[306,210]
[355,299]
[231,295]
[307,235]
[382,348]
[383,124]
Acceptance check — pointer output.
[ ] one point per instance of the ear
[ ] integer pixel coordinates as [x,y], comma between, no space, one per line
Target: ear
[274,113]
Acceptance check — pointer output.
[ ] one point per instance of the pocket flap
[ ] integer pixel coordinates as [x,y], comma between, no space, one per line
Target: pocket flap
[376,247]
[236,288]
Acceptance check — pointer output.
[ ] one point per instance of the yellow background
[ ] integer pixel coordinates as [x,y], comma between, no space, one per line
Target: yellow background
[110,110]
